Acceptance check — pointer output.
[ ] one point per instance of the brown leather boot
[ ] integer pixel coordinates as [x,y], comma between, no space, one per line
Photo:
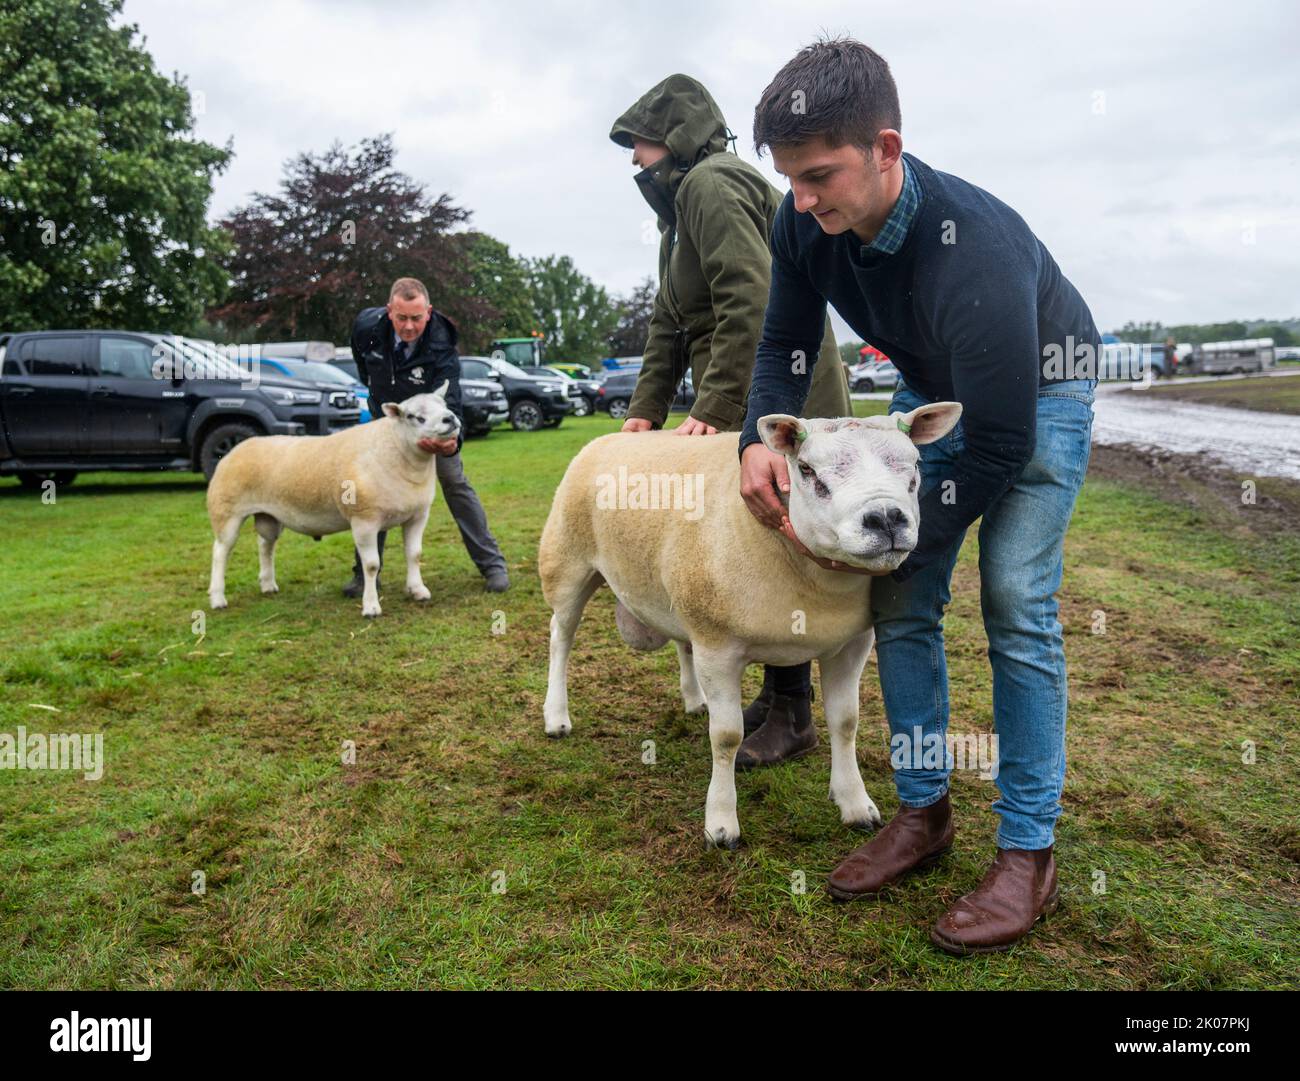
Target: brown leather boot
[756,712]
[1019,889]
[787,734]
[915,837]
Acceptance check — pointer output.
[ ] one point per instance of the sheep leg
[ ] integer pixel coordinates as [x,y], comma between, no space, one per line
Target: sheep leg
[268,531]
[841,674]
[719,671]
[571,596]
[692,696]
[226,535]
[365,535]
[412,540]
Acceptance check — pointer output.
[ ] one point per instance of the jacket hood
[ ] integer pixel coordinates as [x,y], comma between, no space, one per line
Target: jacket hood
[682,115]
[679,113]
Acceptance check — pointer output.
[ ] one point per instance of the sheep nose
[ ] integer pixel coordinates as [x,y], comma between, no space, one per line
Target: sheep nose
[887,522]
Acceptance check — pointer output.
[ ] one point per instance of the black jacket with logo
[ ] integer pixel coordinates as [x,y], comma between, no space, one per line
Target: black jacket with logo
[430,360]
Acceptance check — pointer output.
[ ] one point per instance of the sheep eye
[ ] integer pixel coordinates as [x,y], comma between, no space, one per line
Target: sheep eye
[418,419]
[809,473]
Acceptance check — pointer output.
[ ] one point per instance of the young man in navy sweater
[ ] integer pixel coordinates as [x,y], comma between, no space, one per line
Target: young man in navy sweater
[952,285]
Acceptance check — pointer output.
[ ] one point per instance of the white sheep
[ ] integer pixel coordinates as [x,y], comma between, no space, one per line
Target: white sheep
[660,519]
[368,478]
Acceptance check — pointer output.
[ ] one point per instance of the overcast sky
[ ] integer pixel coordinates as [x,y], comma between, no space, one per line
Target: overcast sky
[1155,148]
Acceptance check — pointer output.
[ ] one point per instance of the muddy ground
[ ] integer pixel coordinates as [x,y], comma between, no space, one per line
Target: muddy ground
[1197,480]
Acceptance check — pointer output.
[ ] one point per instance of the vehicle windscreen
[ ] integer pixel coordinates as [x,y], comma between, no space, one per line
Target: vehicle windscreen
[318,373]
[512,369]
[205,362]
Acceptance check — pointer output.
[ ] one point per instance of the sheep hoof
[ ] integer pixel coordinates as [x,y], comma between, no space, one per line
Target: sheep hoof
[722,839]
[371,613]
[559,731]
[217,602]
[272,588]
[419,593]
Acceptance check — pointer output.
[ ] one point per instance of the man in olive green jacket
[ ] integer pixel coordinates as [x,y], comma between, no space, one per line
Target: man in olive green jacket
[715,215]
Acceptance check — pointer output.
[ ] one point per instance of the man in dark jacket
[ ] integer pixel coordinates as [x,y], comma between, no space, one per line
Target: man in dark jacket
[971,307]
[715,212]
[408,348]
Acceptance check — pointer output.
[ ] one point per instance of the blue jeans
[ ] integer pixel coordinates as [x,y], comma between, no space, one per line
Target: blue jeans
[1021,537]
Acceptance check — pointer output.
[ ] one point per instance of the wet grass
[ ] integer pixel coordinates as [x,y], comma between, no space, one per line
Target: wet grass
[1275,394]
[463,849]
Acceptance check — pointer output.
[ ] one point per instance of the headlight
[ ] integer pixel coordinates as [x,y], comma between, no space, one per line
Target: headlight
[286,396]
[475,392]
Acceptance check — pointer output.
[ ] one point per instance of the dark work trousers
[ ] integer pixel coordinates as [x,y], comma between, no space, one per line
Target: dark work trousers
[463,502]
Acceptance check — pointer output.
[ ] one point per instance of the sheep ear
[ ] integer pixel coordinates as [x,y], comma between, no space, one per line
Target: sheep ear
[392,409]
[926,423]
[442,390]
[782,433]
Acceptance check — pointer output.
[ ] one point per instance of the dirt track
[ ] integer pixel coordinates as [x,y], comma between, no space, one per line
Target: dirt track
[1251,443]
[1200,481]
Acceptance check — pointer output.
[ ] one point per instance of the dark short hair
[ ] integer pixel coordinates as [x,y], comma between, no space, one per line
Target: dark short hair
[837,89]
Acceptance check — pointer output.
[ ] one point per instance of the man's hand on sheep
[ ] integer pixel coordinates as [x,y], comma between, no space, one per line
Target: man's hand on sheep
[691,426]
[762,472]
[445,447]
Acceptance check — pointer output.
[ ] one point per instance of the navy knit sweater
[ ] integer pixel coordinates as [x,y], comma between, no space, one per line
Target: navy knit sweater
[965,310]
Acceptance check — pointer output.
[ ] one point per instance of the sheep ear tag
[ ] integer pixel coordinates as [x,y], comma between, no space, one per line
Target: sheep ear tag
[800,435]
[903,426]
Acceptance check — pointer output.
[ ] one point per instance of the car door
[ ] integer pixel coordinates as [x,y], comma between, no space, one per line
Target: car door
[132,411]
[46,397]
[685,396]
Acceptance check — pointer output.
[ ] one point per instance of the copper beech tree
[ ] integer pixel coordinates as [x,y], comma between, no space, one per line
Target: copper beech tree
[342,226]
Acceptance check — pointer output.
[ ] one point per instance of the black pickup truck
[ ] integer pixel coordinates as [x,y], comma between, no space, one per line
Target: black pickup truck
[78,400]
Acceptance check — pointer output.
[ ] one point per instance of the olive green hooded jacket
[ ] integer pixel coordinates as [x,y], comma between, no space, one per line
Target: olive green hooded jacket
[715,216]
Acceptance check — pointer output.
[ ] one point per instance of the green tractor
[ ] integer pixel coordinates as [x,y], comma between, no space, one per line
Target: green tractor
[524,352]
[530,352]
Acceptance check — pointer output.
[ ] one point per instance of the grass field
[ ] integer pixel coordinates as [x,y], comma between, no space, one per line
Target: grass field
[464,849]
[1276,394]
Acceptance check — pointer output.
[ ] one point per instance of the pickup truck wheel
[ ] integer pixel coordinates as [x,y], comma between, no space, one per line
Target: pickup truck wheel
[526,416]
[61,477]
[221,441]
[618,408]
[581,408]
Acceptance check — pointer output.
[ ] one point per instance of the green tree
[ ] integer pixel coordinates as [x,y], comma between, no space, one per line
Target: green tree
[849,352]
[1281,335]
[1141,332]
[103,190]
[499,278]
[574,313]
[633,312]
[343,226]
